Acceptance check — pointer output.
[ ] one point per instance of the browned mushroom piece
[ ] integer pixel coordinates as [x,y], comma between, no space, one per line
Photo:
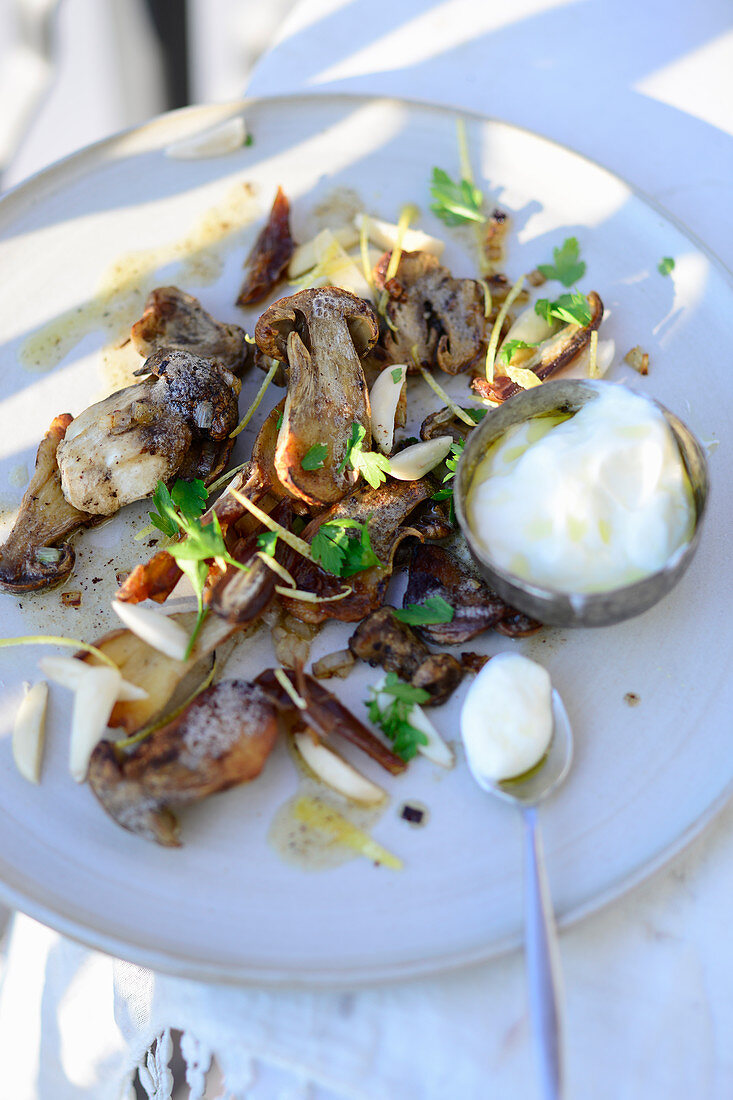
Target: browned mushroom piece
[551,356]
[327,715]
[381,639]
[222,739]
[44,520]
[436,572]
[432,316]
[321,334]
[445,422]
[174,319]
[269,257]
[240,596]
[156,578]
[384,511]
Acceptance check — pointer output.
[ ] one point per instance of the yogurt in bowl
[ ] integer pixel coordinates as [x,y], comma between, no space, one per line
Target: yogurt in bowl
[581,501]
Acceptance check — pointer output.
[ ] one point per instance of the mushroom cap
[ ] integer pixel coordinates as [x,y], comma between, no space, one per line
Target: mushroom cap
[298,312]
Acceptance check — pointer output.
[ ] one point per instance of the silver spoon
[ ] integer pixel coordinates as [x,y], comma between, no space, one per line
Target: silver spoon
[540,933]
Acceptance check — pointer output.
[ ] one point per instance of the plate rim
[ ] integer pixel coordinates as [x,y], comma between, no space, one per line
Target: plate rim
[365,974]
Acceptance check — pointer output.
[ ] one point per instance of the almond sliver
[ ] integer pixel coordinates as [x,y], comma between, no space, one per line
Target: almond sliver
[419,459]
[29,732]
[158,631]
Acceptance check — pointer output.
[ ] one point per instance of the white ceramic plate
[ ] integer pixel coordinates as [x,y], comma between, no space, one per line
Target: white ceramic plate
[646,777]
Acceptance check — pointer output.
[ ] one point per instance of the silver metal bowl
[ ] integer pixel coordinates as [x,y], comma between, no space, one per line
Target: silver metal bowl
[574,608]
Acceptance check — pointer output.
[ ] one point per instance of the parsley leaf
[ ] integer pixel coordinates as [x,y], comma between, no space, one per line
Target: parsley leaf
[187,499]
[394,718]
[455,203]
[510,347]
[433,610]
[372,465]
[572,309]
[314,458]
[202,542]
[279,423]
[358,431]
[397,375]
[451,463]
[665,265]
[338,552]
[267,543]
[568,267]
[476,415]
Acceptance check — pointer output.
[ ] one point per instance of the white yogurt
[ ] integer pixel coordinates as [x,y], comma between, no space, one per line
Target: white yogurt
[586,503]
[506,720]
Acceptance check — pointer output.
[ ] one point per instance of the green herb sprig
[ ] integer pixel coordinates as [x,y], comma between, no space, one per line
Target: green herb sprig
[451,463]
[571,309]
[568,267]
[341,553]
[666,265]
[372,465]
[455,203]
[433,610]
[394,717]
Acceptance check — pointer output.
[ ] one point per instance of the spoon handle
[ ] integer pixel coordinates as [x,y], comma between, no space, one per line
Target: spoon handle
[543,961]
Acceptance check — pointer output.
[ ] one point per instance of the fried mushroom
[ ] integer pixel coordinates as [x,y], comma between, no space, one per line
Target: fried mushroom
[180,417]
[320,334]
[432,316]
[174,319]
[34,555]
[221,740]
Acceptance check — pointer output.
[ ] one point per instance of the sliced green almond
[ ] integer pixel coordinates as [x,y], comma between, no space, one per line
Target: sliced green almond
[159,631]
[336,772]
[68,672]
[384,399]
[419,459]
[225,137]
[385,235]
[311,253]
[93,702]
[436,750]
[29,732]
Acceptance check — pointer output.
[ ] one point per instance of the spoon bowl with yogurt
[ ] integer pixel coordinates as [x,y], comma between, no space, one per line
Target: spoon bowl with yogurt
[519,746]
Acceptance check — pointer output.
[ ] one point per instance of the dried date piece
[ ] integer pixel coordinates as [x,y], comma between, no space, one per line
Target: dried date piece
[270,255]
[436,572]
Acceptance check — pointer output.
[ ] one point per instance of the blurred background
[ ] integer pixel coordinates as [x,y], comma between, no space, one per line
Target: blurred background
[74,71]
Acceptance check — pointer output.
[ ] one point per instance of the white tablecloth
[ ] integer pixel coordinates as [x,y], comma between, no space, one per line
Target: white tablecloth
[645,88]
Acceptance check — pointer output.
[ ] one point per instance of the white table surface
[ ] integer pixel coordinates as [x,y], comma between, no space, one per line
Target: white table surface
[645,89]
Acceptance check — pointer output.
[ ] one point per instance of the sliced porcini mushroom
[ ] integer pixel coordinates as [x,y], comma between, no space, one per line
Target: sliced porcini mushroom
[381,639]
[158,675]
[434,571]
[384,511]
[552,355]
[320,334]
[223,738]
[419,459]
[336,772]
[156,578]
[433,317]
[34,554]
[242,595]
[174,319]
[445,422]
[118,449]
[29,732]
[270,254]
[386,396]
